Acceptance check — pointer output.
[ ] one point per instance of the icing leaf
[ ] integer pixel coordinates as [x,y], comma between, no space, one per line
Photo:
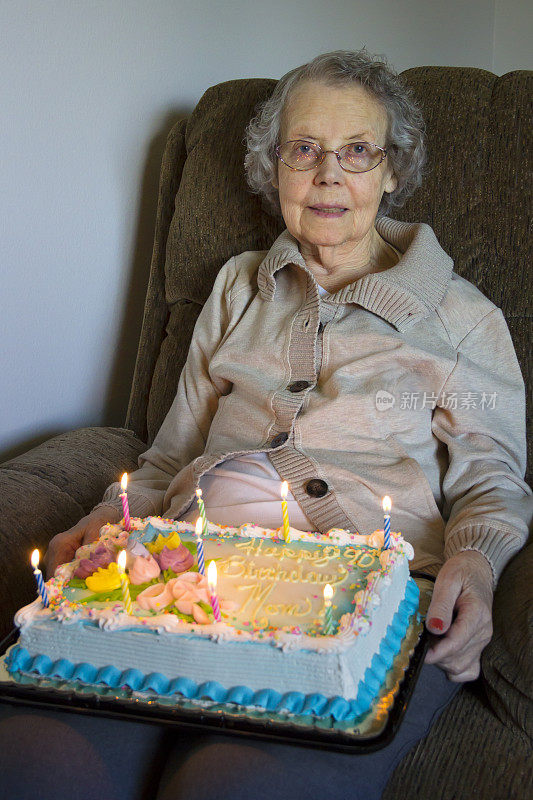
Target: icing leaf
[136,589]
[99,597]
[185,617]
[77,583]
[206,607]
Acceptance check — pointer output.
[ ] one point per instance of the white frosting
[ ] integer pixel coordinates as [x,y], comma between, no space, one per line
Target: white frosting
[330,664]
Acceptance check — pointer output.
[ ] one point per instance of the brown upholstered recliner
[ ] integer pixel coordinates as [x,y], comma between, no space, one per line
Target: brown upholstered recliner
[475,198]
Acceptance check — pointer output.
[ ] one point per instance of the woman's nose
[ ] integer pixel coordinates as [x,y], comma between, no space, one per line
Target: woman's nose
[329,171]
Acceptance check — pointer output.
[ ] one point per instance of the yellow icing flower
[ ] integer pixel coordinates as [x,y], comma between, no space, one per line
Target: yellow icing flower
[105,579]
[172,542]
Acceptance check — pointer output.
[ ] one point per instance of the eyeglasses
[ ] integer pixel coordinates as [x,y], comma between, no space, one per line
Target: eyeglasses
[353,157]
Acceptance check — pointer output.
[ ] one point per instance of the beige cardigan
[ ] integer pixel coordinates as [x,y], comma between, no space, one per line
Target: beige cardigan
[412,389]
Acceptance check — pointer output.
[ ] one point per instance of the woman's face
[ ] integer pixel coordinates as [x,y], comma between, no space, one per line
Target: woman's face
[332,117]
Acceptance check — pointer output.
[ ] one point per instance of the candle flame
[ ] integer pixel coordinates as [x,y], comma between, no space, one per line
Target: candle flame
[212,576]
[387,504]
[198,493]
[328,592]
[284,489]
[121,561]
[199,527]
[124,481]
[35,559]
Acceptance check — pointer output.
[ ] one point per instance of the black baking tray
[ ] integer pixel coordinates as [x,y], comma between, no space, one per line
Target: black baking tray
[224,719]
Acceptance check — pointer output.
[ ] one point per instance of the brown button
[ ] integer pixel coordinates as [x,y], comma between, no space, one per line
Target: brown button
[278,440]
[316,487]
[298,386]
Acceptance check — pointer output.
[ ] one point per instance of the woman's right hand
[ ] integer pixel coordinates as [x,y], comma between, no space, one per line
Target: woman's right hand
[63,546]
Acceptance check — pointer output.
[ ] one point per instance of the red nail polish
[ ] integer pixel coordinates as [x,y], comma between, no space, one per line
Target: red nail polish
[436,623]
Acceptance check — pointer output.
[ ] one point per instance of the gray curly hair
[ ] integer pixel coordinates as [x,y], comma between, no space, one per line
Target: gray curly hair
[405,138]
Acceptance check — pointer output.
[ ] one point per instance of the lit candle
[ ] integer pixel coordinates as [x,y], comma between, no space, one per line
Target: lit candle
[387,504]
[124,498]
[39,578]
[200,546]
[201,509]
[285,512]
[212,583]
[121,561]
[328,611]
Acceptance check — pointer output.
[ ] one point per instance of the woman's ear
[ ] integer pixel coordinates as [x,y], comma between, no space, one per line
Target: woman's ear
[391,183]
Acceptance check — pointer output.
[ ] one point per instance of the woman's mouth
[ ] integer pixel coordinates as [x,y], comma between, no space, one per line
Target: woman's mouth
[328,211]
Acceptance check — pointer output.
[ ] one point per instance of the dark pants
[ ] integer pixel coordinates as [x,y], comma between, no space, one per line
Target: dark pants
[61,756]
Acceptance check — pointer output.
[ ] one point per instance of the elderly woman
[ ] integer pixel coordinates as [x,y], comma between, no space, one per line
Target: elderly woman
[344,360]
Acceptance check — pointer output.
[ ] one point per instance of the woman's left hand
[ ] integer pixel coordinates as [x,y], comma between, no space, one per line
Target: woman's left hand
[460,615]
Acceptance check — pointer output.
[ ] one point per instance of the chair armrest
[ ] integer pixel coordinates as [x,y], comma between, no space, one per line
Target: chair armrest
[507,666]
[82,463]
[47,490]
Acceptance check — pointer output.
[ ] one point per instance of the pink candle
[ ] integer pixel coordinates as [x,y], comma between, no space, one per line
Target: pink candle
[212,583]
[125,506]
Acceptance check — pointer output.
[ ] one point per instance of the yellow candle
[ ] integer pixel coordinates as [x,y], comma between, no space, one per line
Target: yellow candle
[124,582]
[285,512]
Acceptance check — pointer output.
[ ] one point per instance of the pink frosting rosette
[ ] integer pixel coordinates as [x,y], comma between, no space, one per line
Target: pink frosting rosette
[100,557]
[189,589]
[156,597]
[143,570]
[178,559]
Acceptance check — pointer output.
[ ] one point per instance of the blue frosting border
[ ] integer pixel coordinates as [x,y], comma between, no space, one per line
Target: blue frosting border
[20,660]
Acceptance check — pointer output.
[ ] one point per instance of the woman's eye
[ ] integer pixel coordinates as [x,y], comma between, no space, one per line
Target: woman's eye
[356,149]
[304,149]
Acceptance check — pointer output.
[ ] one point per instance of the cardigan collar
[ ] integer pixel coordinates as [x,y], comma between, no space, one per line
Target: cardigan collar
[403,295]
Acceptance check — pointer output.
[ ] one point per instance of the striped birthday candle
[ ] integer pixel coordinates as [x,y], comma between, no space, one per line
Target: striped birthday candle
[201,509]
[212,583]
[387,503]
[200,547]
[41,588]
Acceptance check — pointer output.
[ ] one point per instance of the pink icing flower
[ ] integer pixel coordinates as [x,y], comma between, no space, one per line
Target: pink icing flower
[190,589]
[143,570]
[178,559]
[155,598]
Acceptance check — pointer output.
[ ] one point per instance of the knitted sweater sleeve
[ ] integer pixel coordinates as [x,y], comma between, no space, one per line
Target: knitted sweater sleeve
[183,434]
[481,419]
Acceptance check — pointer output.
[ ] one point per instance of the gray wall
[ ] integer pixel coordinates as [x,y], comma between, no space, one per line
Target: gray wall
[513,36]
[89,91]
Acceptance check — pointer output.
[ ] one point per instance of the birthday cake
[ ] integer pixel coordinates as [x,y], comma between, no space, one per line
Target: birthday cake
[267,637]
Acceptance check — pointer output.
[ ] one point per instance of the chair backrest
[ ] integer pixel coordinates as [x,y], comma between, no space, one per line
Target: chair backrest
[476,196]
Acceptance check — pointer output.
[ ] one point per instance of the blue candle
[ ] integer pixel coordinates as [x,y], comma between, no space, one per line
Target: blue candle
[39,577]
[387,503]
[200,546]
